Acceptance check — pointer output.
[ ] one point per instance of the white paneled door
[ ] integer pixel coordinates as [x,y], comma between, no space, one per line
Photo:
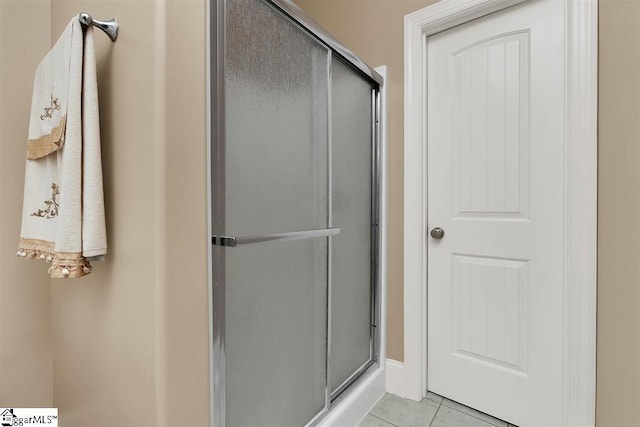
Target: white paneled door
[496,197]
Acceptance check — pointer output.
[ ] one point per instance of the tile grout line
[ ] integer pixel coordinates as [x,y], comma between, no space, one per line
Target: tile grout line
[457,408]
[382,419]
[436,414]
[473,416]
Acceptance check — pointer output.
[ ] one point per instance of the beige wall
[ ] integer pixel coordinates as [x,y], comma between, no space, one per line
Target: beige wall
[25,292]
[619,215]
[130,341]
[373,30]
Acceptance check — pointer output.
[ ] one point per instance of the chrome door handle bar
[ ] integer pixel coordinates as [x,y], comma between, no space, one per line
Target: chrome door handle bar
[233,241]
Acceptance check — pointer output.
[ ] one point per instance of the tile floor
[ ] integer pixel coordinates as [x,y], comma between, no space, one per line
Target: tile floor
[433,411]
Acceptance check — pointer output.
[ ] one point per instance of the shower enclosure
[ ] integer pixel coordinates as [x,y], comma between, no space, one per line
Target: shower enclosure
[295,218]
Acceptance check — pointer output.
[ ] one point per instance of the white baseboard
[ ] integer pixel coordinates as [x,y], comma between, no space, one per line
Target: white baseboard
[395,377]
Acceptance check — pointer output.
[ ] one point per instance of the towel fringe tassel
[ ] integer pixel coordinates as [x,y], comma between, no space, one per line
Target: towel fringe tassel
[60,268]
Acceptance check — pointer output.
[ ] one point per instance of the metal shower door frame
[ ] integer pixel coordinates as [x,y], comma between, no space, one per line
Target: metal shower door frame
[220,243]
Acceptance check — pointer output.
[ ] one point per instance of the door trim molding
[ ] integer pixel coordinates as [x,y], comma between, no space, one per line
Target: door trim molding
[581,83]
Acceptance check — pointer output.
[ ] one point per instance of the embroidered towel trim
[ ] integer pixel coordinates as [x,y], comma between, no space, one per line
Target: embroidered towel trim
[63,212]
[47,144]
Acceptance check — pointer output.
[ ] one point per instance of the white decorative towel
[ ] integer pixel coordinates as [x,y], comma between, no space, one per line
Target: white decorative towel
[63,212]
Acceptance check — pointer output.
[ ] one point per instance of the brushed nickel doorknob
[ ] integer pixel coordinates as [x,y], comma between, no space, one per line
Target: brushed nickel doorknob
[437,233]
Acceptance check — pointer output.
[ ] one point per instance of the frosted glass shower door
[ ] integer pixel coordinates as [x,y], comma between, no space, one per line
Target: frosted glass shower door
[274,202]
[352,270]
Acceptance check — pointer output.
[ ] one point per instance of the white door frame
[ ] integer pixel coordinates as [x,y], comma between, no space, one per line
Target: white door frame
[581,102]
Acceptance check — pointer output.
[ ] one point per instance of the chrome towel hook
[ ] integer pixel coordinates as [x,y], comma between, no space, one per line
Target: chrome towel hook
[110,27]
